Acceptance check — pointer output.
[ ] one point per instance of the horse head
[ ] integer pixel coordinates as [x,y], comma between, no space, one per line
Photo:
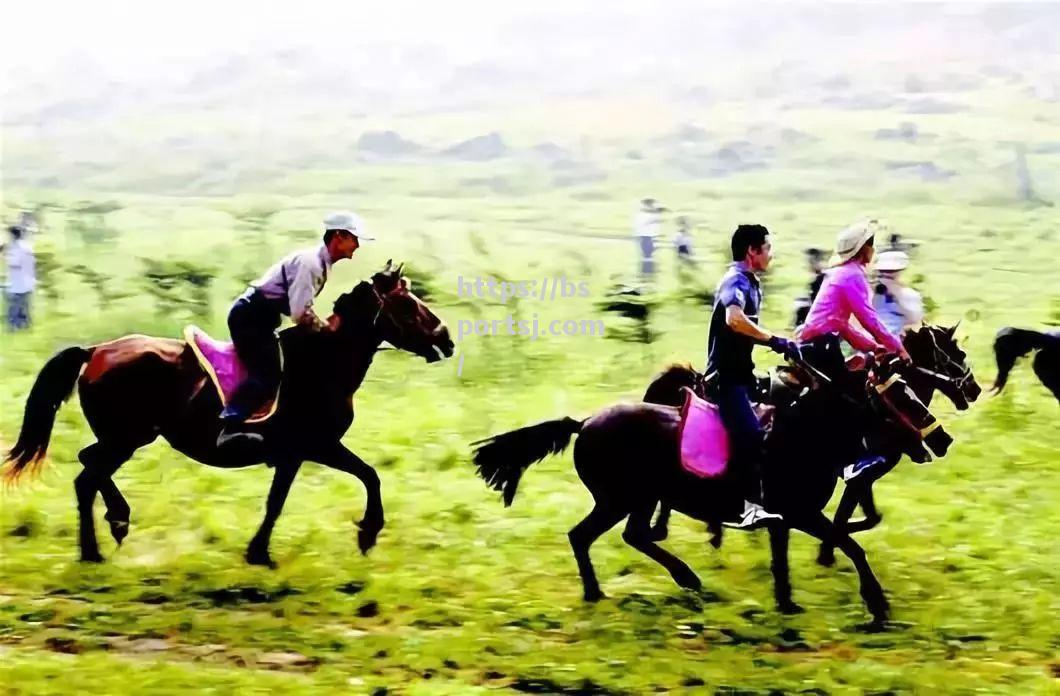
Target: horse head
[387,306]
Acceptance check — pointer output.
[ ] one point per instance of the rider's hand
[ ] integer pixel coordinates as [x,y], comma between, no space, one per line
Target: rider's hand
[786,347]
[903,354]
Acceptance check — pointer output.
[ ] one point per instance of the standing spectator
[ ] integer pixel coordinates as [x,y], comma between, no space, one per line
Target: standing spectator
[21,279]
[815,261]
[683,246]
[646,231]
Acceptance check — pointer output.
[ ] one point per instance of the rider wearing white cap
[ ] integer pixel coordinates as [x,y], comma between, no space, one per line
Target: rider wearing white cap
[898,305]
[288,288]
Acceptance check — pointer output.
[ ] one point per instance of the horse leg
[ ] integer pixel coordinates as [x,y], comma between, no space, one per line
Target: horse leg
[871,591]
[778,545]
[872,516]
[99,462]
[118,512]
[638,535]
[847,503]
[339,458]
[660,529]
[582,536]
[258,549]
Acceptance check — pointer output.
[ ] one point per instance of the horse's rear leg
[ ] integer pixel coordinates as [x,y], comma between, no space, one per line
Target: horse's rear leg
[582,536]
[778,545]
[638,535]
[100,461]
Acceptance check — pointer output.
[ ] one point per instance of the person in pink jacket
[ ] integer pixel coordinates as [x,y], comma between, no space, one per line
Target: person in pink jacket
[845,296]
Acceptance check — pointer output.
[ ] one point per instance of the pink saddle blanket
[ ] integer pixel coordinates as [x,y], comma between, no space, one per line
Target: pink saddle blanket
[704,442]
[224,368]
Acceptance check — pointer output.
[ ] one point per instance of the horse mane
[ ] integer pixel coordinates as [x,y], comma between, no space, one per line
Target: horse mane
[668,383]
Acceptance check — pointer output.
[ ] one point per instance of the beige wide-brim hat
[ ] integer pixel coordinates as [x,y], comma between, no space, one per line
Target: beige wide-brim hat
[850,241]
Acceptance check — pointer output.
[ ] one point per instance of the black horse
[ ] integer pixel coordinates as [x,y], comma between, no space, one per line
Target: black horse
[136,388]
[939,364]
[628,457]
[1011,344]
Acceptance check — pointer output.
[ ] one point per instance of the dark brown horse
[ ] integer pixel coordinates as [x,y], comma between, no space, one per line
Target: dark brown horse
[1011,344]
[939,364]
[136,388]
[627,456]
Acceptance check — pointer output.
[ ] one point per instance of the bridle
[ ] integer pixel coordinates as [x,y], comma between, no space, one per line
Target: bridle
[943,359]
[882,388]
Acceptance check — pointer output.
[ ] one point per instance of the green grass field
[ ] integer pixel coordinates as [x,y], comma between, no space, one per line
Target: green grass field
[463,596]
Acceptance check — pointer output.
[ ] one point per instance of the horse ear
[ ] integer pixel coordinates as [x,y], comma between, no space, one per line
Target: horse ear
[400,266]
[953,329]
[388,264]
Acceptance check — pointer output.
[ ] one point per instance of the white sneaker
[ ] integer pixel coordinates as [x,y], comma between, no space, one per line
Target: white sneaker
[753,517]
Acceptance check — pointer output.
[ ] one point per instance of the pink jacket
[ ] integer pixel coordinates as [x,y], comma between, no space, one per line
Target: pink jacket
[845,293]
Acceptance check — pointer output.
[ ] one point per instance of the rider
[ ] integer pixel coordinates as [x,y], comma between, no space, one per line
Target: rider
[287,288]
[734,331]
[845,294]
[899,306]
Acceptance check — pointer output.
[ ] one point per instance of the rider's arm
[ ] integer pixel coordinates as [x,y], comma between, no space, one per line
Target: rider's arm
[856,296]
[738,322]
[300,295]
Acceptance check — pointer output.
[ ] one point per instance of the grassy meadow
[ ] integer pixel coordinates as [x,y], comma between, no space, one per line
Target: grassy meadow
[462,596]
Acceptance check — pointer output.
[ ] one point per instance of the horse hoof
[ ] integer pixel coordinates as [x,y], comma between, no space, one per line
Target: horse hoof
[366,540]
[690,582]
[91,557]
[119,529]
[261,558]
[594,596]
[826,559]
[790,608]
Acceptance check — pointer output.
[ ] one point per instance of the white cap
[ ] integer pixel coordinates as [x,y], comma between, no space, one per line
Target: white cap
[351,222]
[892,261]
[850,241]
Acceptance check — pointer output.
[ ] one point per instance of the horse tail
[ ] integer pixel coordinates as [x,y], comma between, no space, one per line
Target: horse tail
[54,385]
[502,459]
[1010,345]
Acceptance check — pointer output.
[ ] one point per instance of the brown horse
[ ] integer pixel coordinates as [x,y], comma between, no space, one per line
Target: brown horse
[136,388]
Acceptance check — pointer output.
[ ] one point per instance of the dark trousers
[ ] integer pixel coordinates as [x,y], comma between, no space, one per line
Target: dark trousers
[252,322]
[826,354]
[745,436]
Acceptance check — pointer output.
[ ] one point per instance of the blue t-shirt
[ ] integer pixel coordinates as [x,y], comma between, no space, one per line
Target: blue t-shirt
[728,352]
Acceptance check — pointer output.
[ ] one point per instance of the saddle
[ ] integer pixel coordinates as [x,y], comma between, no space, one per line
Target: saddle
[224,368]
[704,442]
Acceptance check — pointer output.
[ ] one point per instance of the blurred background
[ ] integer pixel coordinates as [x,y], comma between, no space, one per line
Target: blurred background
[158,158]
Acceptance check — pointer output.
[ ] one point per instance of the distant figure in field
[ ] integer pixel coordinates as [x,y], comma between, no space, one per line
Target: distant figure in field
[686,259]
[21,278]
[646,231]
[900,307]
[815,263]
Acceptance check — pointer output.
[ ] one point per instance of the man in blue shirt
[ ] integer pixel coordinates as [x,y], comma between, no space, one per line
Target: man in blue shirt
[734,331]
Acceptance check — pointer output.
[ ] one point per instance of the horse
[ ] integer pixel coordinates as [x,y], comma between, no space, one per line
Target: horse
[939,364]
[1011,344]
[138,387]
[628,456]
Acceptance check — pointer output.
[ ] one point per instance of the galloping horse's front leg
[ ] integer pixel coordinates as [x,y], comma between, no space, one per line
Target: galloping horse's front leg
[338,457]
[258,549]
[857,493]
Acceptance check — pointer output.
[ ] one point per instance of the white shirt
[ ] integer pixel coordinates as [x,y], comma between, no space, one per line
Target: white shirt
[646,224]
[903,309]
[306,271]
[21,267]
